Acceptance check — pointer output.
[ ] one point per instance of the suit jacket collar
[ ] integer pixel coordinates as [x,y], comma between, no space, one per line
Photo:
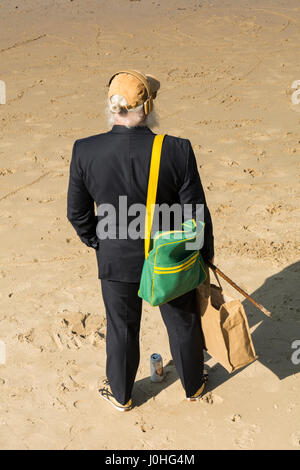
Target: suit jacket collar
[118,129]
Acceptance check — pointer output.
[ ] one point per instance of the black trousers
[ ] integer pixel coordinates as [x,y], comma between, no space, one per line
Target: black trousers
[123,313]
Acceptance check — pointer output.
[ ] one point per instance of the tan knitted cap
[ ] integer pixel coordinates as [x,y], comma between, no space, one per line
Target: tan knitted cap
[134,88]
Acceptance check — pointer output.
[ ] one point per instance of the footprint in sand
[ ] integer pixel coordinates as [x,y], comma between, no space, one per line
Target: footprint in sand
[252,172]
[6,171]
[76,329]
[212,398]
[230,163]
[224,209]
[236,418]
[247,434]
[296,439]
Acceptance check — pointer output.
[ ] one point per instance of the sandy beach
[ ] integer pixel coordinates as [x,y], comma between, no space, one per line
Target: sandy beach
[226,70]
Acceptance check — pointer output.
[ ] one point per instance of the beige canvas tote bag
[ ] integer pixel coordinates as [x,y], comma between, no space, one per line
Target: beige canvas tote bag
[225,327]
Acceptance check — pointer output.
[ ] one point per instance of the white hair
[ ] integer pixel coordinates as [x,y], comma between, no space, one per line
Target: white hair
[117,114]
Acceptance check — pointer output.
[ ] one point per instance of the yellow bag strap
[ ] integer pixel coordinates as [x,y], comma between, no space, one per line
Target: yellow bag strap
[152,188]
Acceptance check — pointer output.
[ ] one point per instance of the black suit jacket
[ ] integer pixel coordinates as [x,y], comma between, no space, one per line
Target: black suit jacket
[117,163]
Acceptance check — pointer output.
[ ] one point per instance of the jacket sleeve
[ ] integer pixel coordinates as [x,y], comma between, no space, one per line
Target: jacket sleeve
[80,204]
[191,192]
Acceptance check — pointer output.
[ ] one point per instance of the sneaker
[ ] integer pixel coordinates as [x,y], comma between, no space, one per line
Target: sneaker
[199,394]
[106,393]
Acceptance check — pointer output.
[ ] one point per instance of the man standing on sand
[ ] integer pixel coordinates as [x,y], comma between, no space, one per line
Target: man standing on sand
[105,167]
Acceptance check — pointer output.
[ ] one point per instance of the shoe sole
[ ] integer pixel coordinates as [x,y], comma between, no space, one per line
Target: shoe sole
[119,408]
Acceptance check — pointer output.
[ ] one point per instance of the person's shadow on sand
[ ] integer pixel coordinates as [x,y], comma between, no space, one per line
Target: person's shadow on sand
[272,338]
[144,389]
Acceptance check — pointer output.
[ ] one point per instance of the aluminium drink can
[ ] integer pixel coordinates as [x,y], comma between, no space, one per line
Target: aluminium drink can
[156,368]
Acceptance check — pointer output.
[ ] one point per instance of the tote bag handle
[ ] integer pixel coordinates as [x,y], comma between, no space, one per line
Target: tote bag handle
[152,188]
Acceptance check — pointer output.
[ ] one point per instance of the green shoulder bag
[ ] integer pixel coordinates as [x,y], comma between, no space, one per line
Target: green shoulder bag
[170,269]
